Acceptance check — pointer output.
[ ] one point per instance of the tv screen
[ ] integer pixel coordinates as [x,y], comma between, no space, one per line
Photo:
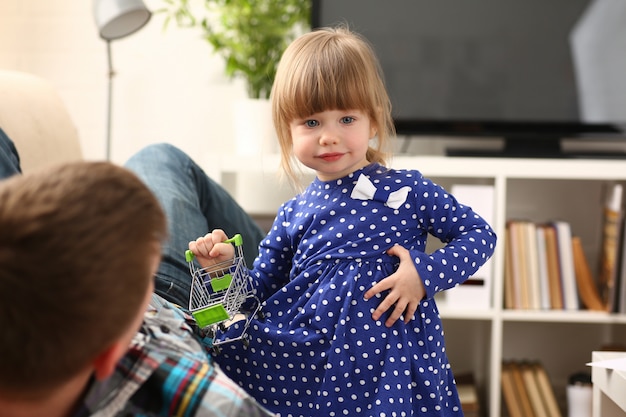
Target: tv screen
[529,71]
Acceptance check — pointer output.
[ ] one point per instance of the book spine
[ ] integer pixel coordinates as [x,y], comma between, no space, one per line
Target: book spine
[610,243]
[566,262]
[542,257]
[587,290]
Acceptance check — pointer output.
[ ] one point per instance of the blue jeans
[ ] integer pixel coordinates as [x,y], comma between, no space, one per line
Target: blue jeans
[193,203]
[9,158]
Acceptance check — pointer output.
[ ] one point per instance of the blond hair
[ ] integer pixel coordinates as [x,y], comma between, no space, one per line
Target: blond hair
[76,249]
[330,69]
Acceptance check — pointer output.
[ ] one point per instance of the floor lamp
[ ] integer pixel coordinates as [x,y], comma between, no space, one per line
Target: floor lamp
[116,19]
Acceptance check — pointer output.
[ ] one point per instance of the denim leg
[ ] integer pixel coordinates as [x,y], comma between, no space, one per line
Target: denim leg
[9,158]
[194,204]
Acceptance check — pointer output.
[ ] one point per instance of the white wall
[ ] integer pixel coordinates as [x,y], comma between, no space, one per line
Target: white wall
[168,84]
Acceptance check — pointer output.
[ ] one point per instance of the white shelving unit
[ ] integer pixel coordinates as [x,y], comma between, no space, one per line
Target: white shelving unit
[538,189]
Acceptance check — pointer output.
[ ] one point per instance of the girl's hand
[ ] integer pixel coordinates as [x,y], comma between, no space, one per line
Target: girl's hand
[405,286]
[210,249]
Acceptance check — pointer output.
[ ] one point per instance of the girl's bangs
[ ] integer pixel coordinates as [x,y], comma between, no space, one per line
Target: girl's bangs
[317,90]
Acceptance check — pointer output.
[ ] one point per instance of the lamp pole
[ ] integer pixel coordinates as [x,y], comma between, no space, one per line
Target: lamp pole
[116,19]
[111,74]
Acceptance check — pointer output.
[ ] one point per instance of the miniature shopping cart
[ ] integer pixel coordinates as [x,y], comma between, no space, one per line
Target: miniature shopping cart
[217,295]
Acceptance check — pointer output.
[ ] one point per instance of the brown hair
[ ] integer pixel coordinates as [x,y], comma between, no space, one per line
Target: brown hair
[76,242]
[330,69]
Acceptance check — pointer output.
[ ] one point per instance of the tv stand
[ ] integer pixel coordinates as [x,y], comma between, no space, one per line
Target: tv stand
[533,147]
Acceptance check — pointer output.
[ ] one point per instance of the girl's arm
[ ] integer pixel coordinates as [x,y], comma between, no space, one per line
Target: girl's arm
[469,239]
[272,267]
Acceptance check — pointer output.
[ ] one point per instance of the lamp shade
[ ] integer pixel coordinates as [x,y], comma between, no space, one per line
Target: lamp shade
[118,18]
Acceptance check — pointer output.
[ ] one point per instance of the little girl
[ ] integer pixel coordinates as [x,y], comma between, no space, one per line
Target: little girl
[350,323]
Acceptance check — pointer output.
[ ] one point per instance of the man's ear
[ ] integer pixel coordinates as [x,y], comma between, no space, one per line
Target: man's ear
[104,364]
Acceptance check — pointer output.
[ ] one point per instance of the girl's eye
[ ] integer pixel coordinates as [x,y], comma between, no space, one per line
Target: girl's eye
[347,119]
[311,123]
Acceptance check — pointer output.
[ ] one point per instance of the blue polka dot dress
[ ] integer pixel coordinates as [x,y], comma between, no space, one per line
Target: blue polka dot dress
[317,351]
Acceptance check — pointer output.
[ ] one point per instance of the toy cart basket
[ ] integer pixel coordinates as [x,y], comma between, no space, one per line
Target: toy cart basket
[218,293]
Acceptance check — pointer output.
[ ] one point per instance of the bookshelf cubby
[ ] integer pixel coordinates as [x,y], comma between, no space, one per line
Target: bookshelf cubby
[478,341]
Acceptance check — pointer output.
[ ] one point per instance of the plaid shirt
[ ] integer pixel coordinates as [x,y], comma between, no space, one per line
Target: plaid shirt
[167,372]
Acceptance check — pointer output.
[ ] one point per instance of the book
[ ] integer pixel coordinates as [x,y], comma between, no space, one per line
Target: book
[509,285]
[542,268]
[522,390]
[509,391]
[530,381]
[587,289]
[610,242]
[566,264]
[553,267]
[541,271]
[527,390]
[532,265]
[468,394]
[517,257]
[526,266]
[621,281]
[547,391]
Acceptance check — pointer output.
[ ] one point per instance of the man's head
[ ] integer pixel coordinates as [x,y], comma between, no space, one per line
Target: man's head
[79,244]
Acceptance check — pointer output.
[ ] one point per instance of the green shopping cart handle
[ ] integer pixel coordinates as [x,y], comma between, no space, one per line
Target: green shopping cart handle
[236,240]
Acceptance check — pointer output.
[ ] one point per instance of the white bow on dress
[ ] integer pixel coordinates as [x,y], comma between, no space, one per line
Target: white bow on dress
[365,190]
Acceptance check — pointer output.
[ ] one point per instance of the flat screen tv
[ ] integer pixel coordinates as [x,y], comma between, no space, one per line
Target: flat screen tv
[531,72]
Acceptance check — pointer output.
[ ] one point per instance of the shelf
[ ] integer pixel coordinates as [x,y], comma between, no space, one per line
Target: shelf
[434,166]
[538,189]
[514,167]
[580,316]
[463,314]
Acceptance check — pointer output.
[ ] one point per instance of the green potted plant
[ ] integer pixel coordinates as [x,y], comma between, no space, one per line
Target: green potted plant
[250,35]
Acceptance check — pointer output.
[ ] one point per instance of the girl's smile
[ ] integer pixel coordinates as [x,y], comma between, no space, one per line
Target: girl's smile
[331,157]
